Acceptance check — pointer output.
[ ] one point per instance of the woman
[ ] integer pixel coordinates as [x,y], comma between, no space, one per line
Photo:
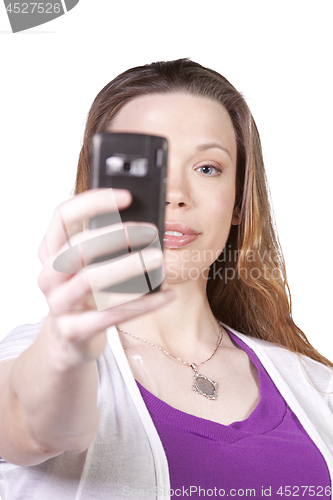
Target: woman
[163,396]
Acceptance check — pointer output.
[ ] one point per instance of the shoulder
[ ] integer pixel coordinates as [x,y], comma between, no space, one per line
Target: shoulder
[292,366]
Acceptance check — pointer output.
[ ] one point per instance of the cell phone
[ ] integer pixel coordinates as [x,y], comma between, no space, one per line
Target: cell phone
[137,162]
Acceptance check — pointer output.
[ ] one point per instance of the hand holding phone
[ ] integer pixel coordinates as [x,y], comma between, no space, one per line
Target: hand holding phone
[69,282]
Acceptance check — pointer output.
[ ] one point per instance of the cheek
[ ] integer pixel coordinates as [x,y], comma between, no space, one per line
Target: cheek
[218,224]
[219,211]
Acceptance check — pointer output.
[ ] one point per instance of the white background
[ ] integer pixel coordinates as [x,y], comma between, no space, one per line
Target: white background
[278,54]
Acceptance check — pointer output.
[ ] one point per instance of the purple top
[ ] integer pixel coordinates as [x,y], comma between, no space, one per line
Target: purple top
[269,453]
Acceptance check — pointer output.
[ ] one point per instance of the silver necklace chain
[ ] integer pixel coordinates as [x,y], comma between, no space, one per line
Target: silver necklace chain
[192,365]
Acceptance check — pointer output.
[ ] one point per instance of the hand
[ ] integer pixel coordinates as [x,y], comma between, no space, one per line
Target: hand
[77,329]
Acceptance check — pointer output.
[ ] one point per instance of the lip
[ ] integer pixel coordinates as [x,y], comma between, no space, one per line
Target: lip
[188,235]
[180,227]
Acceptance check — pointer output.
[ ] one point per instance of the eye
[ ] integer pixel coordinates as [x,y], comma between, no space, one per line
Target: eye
[209,170]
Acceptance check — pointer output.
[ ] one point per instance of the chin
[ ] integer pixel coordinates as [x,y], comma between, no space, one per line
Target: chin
[179,272]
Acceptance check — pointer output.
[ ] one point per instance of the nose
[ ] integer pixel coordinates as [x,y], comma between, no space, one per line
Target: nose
[178,190]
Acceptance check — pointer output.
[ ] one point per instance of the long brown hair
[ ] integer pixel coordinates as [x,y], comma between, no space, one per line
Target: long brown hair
[247,286]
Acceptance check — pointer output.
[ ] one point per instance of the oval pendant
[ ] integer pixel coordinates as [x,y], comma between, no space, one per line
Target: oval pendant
[205,386]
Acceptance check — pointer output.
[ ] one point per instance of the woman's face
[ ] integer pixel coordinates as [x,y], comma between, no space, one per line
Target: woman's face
[201,176]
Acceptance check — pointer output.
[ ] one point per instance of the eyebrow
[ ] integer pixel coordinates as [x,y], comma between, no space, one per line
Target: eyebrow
[212,145]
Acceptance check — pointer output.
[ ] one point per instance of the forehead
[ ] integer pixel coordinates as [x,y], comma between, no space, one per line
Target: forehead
[180,117]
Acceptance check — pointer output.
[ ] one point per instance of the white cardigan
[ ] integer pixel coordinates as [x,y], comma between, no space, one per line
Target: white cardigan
[127,449]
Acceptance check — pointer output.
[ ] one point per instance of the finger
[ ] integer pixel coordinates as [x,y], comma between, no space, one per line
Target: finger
[68,216]
[93,279]
[111,241]
[43,252]
[80,327]
[95,244]
[120,270]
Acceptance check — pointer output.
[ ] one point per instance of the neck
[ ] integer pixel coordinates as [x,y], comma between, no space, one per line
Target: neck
[185,325]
